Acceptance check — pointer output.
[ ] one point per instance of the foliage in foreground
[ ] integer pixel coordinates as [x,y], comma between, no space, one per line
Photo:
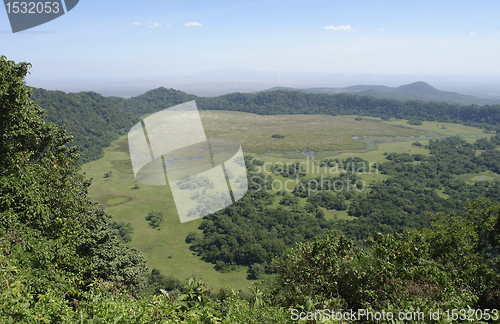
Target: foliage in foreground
[61,260]
[106,302]
[49,227]
[454,264]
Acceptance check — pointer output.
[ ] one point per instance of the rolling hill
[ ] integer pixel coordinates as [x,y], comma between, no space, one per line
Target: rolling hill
[414,91]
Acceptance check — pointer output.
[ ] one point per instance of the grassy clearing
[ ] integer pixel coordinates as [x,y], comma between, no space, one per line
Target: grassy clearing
[472,178]
[397,147]
[446,129]
[374,147]
[329,214]
[335,214]
[319,133]
[328,136]
[441,193]
[117,201]
[164,249]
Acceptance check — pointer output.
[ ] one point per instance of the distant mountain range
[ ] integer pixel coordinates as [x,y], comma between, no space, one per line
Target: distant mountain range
[414,91]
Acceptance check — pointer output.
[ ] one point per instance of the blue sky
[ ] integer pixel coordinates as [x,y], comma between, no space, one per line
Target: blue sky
[112,40]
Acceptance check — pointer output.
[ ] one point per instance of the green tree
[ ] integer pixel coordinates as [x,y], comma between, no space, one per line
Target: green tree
[155,218]
[255,271]
[50,225]
[451,264]
[320,214]
[414,122]
[125,230]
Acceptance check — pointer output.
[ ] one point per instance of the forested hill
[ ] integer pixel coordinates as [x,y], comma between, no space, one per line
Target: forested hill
[407,92]
[92,119]
[96,120]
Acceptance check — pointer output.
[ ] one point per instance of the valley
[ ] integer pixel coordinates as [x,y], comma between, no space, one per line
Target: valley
[328,136]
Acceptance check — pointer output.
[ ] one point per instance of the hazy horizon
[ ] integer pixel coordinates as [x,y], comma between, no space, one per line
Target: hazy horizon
[223,81]
[142,45]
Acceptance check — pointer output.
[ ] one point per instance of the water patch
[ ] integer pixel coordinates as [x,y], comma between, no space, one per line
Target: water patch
[307,152]
[355,137]
[183,159]
[482,178]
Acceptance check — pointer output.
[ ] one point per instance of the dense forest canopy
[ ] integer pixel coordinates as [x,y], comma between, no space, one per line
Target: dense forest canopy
[50,227]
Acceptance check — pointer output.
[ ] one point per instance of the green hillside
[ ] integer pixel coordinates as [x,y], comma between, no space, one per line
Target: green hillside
[94,120]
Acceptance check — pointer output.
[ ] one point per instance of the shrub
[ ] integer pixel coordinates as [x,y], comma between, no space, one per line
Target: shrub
[414,122]
[124,230]
[192,236]
[255,271]
[155,218]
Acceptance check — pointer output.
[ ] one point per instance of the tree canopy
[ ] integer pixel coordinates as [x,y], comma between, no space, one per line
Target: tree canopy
[48,224]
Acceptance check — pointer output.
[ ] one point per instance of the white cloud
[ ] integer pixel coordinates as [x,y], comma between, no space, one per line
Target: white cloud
[472,34]
[33,55]
[192,23]
[381,29]
[168,25]
[154,25]
[136,23]
[342,27]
